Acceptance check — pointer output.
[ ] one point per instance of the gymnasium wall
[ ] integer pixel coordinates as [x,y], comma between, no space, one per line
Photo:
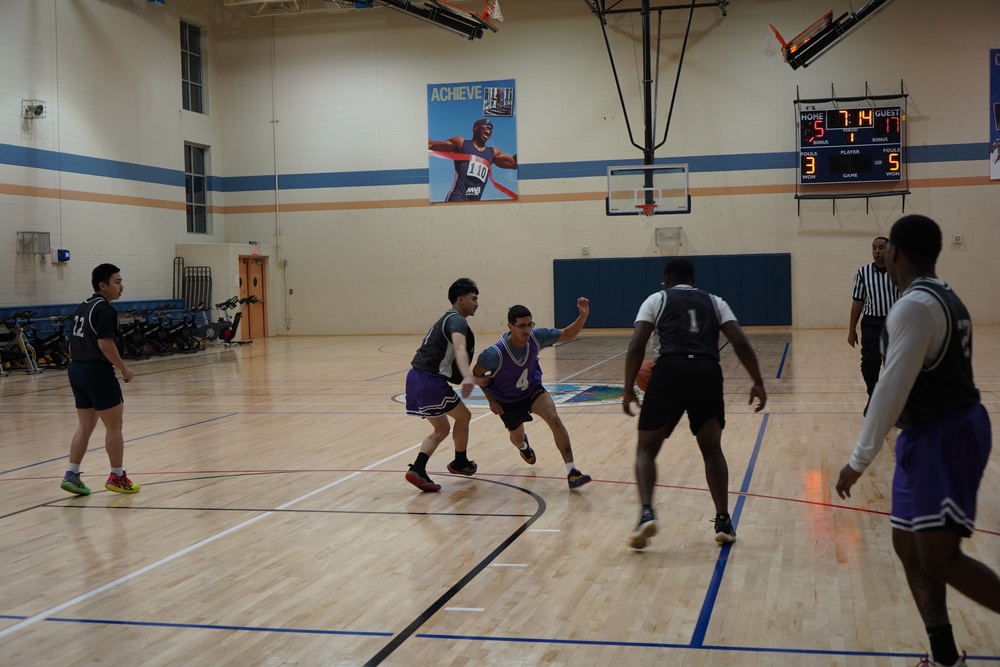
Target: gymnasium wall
[757,287]
[335,106]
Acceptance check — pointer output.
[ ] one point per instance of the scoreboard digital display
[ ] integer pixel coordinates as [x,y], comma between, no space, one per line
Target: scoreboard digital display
[851,145]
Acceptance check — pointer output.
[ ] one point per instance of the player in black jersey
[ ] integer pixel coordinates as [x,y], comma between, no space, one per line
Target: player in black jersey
[95,351]
[444,357]
[944,446]
[687,377]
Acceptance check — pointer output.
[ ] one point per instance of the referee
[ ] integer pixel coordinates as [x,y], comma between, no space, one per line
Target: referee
[874,293]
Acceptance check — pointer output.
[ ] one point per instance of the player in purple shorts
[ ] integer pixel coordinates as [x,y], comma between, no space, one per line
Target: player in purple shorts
[927,390]
[444,357]
[515,390]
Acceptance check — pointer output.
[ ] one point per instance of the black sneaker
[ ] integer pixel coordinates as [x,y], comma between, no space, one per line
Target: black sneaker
[419,479]
[528,454]
[466,468]
[724,531]
[577,479]
[639,538]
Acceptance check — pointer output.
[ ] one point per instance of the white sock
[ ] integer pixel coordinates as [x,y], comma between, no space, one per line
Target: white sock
[570,466]
[524,445]
[73,467]
[118,471]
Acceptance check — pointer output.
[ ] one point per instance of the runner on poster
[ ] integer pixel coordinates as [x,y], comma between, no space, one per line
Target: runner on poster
[472,141]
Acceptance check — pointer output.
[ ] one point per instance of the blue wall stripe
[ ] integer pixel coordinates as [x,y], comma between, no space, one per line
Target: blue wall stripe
[80,164]
[42,159]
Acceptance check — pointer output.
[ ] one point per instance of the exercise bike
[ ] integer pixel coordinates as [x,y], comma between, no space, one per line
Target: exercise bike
[17,352]
[224,330]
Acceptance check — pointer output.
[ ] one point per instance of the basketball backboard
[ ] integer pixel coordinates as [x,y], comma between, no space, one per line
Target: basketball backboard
[490,10]
[648,189]
[795,44]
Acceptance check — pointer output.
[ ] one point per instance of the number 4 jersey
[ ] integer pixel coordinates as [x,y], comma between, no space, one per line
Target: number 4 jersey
[516,372]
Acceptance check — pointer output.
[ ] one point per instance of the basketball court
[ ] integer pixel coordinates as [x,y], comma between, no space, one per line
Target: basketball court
[274,526]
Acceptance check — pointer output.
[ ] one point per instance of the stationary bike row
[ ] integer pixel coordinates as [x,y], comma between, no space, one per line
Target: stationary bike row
[16,351]
[224,330]
[158,331]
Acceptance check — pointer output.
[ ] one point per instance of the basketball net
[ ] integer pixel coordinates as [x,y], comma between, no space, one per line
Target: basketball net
[646,210]
[492,9]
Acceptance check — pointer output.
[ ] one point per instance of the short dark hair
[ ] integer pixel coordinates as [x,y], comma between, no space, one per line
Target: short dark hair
[918,237]
[679,270]
[515,312]
[880,238]
[460,287]
[102,274]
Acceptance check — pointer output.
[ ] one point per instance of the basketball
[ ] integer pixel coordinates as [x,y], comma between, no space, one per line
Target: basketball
[642,379]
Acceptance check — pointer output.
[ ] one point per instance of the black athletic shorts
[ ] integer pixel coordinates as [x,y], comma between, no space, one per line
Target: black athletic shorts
[679,385]
[94,385]
[519,412]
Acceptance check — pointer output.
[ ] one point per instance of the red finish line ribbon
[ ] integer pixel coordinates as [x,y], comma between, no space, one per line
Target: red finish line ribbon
[462,157]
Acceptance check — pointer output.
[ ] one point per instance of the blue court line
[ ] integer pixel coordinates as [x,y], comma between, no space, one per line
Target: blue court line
[141,437]
[518,640]
[784,356]
[709,647]
[701,628]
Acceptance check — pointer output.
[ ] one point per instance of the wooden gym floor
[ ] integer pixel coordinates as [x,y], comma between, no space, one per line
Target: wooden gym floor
[274,526]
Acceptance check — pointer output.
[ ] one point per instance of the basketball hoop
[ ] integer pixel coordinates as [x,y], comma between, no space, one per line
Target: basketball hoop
[492,10]
[646,210]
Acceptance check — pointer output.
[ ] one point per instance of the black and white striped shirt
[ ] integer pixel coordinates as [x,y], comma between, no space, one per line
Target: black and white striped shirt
[873,286]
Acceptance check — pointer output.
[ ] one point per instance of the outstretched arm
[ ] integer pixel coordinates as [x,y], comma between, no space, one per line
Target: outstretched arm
[452,145]
[573,330]
[503,160]
[746,355]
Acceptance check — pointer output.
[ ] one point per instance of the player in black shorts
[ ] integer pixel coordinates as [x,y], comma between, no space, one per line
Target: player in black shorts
[686,378]
[95,352]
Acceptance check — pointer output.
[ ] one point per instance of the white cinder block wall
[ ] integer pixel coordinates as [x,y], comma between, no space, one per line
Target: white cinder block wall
[332,94]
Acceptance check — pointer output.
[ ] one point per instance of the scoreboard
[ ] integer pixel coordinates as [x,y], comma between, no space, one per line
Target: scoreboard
[851,145]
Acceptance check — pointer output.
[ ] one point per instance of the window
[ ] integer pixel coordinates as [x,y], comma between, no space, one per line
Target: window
[192,83]
[195,188]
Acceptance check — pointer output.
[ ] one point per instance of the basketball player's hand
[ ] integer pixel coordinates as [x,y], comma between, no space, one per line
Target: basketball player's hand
[760,394]
[468,384]
[127,374]
[848,478]
[852,338]
[628,397]
[583,306]
[495,407]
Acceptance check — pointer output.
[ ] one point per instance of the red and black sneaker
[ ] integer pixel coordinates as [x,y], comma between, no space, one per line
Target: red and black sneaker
[419,479]
[466,468]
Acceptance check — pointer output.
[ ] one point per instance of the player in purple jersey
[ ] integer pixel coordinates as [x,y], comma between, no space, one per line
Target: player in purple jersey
[472,173]
[943,449]
[515,390]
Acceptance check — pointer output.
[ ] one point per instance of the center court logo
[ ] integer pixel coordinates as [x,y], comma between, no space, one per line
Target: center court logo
[566,393]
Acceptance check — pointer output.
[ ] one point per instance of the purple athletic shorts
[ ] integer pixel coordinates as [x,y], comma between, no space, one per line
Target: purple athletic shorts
[938,469]
[429,394]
